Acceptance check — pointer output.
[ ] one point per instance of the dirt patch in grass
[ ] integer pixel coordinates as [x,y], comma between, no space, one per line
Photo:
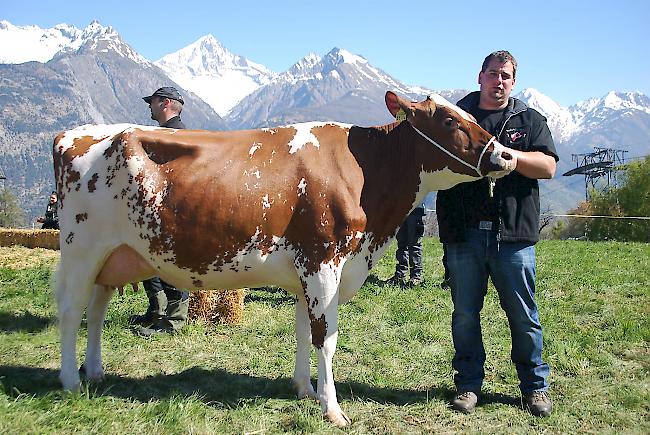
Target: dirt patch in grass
[18,257]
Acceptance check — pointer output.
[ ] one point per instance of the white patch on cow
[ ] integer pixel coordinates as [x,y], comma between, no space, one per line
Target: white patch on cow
[255,147]
[302,187]
[304,134]
[323,220]
[442,101]
[265,202]
[442,179]
[270,130]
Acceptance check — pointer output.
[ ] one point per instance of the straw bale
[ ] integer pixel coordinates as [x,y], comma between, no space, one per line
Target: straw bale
[217,306]
[48,239]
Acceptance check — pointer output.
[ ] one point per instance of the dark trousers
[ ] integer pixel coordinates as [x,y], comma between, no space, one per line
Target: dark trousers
[156,288]
[409,245]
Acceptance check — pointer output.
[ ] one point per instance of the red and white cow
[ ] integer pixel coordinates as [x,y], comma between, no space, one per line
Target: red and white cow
[308,207]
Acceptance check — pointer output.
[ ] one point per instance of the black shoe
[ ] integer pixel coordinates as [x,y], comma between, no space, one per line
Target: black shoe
[397,280]
[153,330]
[416,281]
[146,319]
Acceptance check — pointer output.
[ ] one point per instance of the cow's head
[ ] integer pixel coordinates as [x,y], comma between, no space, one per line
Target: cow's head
[467,148]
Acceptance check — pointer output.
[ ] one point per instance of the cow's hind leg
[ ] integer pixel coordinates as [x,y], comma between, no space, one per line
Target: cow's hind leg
[95,315]
[73,287]
[321,295]
[302,372]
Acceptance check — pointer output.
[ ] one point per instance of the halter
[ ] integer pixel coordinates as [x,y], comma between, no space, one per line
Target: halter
[458,159]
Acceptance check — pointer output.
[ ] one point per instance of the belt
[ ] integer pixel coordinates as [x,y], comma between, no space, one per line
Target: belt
[486,225]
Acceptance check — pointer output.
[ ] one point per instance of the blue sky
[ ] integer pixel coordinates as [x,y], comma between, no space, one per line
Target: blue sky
[569,50]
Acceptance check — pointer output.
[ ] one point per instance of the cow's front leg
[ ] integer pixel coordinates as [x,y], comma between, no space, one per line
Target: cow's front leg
[302,372]
[96,313]
[321,296]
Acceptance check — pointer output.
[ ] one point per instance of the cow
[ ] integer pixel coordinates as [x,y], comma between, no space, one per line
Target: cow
[309,207]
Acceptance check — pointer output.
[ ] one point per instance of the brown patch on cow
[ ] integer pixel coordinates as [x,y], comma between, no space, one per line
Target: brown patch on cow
[92,183]
[66,177]
[68,239]
[197,283]
[318,325]
[318,330]
[81,217]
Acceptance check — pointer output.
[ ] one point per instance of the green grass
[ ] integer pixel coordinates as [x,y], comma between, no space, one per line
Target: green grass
[392,366]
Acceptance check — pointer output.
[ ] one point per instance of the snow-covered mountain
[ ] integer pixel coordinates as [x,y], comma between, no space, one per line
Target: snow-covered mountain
[218,76]
[585,116]
[339,86]
[19,44]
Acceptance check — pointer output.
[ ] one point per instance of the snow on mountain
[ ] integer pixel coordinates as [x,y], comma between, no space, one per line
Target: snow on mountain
[218,76]
[567,122]
[314,68]
[19,44]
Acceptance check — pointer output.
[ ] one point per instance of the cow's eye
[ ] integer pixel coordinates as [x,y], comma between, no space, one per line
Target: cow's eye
[449,122]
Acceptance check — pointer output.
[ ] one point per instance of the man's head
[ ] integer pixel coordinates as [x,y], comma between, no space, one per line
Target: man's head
[165,103]
[497,78]
[53,197]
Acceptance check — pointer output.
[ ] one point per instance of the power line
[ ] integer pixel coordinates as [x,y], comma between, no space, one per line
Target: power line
[601,216]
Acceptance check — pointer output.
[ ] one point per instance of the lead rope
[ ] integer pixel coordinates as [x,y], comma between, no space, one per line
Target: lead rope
[458,159]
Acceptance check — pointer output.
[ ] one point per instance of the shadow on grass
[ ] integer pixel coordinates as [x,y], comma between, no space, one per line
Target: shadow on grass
[271,295]
[25,322]
[214,387]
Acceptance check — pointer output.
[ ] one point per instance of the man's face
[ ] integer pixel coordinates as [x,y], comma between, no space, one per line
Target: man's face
[156,106]
[496,83]
[52,199]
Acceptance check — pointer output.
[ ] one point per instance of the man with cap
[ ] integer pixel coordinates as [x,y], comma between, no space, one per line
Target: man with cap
[168,307]
[166,105]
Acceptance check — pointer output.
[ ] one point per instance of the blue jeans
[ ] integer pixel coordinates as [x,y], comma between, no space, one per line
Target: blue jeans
[511,266]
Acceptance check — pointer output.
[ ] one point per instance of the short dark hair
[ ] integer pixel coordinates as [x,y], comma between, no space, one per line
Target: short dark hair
[502,56]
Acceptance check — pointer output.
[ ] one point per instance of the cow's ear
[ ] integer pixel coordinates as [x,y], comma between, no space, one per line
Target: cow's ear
[392,103]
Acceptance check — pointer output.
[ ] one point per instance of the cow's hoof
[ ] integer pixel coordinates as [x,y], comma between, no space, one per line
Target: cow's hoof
[338,418]
[91,376]
[73,386]
[308,392]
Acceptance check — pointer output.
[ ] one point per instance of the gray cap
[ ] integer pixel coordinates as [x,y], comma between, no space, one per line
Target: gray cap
[165,92]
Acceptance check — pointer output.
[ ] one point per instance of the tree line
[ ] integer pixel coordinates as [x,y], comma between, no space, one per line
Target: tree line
[624,204]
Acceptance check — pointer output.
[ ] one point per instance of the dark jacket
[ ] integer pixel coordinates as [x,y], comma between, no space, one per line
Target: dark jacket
[516,196]
[174,122]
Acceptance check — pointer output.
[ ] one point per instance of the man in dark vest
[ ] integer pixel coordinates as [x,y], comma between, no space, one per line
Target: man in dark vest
[168,307]
[489,229]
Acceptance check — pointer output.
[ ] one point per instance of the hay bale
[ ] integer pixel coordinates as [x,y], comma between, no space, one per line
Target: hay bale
[217,306]
[48,239]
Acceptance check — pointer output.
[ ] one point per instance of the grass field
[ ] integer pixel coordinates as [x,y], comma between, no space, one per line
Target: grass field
[392,366]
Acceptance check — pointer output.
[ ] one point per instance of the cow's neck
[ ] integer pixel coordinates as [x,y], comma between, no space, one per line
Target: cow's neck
[391,164]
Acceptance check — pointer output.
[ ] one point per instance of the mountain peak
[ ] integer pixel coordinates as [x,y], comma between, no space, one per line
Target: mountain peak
[96,38]
[220,77]
[338,56]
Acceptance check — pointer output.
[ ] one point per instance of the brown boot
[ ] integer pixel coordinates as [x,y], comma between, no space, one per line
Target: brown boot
[465,401]
[538,403]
